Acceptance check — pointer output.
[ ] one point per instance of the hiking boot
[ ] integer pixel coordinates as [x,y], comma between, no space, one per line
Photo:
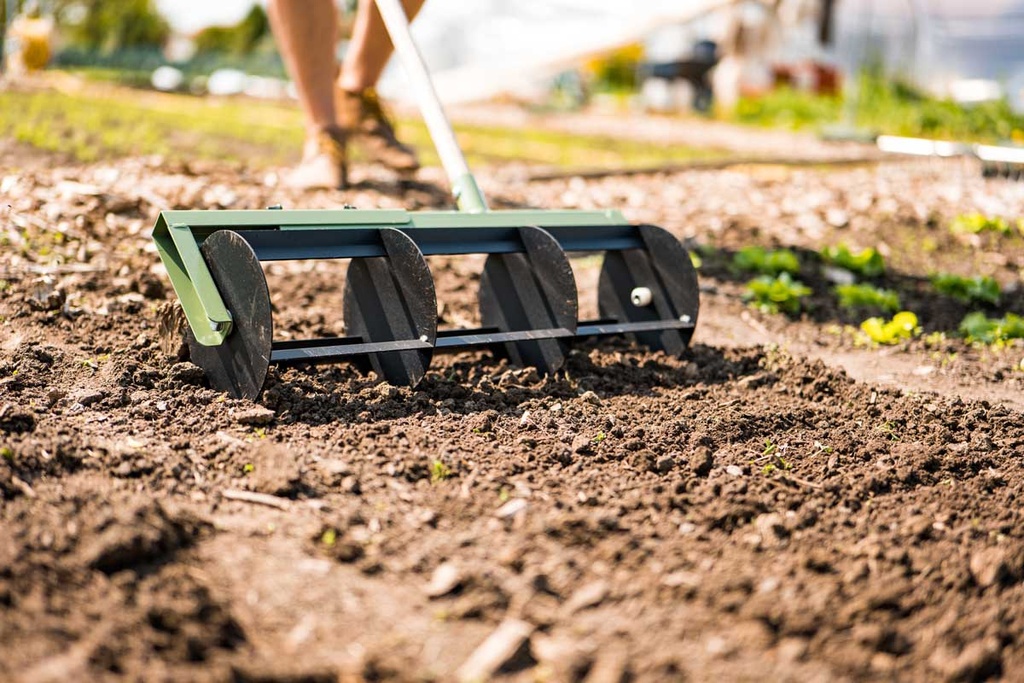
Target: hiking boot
[361,114]
[324,162]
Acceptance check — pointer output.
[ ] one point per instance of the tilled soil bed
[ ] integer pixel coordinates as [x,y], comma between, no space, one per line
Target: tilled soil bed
[749,511]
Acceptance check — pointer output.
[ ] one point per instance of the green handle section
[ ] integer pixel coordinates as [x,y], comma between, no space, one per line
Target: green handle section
[205,310]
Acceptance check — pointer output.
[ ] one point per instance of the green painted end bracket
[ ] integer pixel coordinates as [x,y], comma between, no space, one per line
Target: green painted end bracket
[201,302]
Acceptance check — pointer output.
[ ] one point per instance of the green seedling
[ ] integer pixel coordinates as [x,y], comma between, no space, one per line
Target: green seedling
[439,472]
[759,260]
[978,289]
[7,454]
[775,294]
[599,438]
[889,429]
[248,468]
[329,537]
[902,326]
[978,223]
[859,296]
[868,262]
[977,327]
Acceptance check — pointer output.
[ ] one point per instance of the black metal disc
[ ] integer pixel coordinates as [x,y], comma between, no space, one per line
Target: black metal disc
[664,268]
[239,365]
[532,290]
[392,298]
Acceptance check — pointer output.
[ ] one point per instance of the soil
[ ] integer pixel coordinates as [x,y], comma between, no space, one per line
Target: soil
[782,502]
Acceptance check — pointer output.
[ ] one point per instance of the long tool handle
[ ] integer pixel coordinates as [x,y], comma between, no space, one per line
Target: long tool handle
[467,193]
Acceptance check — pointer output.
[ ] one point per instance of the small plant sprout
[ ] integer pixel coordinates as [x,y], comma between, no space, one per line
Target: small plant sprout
[7,454]
[329,537]
[865,296]
[599,438]
[978,289]
[867,263]
[978,328]
[772,453]
[889,429]
[979,223]
[902,326]
[248,468]
[776,294]
[439,472]
[766,262]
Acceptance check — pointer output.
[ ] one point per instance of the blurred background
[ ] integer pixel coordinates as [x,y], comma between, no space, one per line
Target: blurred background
[948,69]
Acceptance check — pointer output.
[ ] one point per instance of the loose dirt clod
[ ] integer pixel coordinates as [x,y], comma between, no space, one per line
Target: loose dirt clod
[275,469]
[988,567]
[128,538]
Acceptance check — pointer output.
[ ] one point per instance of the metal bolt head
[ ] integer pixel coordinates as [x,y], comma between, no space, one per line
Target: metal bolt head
[641,296]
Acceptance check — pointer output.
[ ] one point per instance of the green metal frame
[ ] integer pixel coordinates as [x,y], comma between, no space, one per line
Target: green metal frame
[179,234]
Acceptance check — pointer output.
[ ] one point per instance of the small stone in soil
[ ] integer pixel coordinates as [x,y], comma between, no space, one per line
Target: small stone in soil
[88,396]
[445,579]
[255,416]
[512,508]
[507,649]
[590,595]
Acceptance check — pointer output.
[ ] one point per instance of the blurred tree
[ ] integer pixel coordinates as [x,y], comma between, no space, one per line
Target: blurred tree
[238,40]
[106,27]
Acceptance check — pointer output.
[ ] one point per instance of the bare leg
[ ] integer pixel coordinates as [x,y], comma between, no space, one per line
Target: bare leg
[371,47]
[306,33]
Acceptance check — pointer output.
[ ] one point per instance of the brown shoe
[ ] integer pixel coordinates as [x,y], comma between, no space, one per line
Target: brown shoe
[362,115]
[324,162]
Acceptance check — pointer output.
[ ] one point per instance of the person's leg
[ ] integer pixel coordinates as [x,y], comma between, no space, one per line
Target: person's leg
[359,110]
[371,46]
[306,34]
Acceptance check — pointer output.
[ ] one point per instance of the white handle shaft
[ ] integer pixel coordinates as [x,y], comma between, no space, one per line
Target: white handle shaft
[430,106]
